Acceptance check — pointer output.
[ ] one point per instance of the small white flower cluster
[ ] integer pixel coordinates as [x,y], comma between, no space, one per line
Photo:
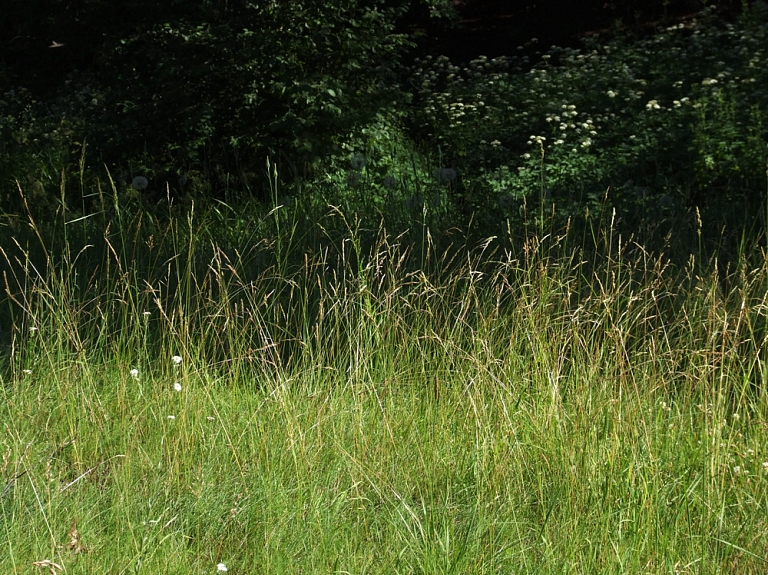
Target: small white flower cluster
[653,105]
[177,359]
[650,81]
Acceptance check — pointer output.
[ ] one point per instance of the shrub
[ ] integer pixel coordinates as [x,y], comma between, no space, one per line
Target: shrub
[673,119]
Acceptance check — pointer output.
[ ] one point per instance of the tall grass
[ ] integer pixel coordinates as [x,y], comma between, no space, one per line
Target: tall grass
[556,404]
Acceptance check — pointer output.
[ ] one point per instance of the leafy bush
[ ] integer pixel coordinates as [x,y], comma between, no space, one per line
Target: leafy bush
[233,84]
[198,96]
[673,119]
[219,87]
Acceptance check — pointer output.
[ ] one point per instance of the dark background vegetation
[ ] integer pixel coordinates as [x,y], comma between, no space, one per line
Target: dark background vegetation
[196,95]
[496,27]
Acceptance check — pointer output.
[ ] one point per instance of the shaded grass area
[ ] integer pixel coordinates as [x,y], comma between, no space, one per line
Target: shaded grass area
[490,410]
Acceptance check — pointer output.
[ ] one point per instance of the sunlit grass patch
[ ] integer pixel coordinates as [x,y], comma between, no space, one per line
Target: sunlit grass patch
[366,407]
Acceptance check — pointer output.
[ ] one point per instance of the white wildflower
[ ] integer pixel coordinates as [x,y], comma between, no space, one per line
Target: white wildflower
[135,373]
[221,567]
[177,386]
[176,359]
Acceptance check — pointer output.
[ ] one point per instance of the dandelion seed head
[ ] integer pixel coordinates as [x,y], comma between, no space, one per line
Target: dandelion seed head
[358,161]
[177,386]
[140,183]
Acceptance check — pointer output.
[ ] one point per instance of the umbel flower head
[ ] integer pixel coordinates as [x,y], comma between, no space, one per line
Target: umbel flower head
[139,183]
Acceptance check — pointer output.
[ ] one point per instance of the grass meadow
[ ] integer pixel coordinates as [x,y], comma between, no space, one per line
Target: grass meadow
[170,405]
[539,347]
